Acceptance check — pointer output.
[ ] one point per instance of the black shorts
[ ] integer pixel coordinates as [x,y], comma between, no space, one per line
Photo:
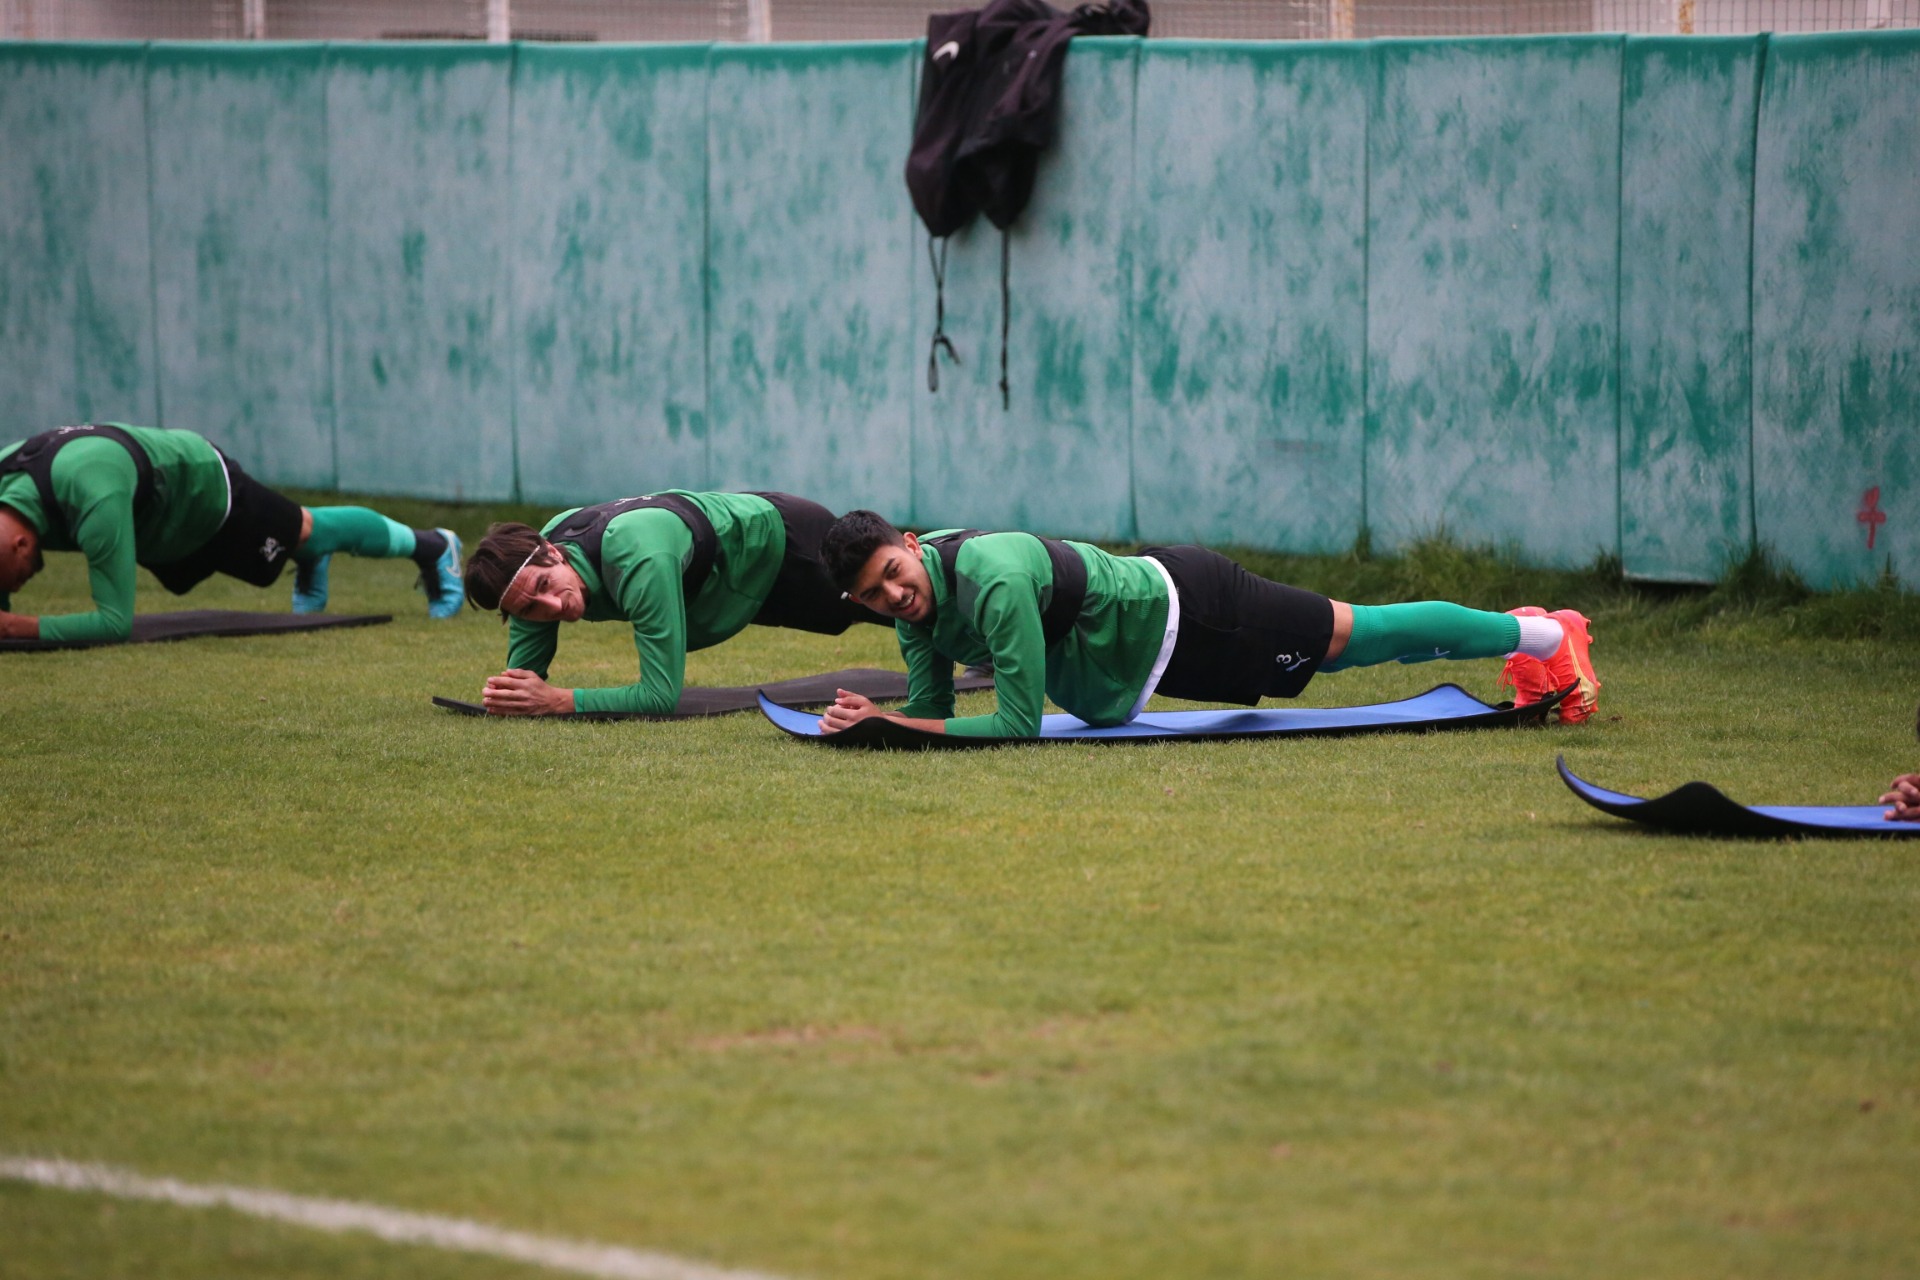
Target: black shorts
[1242,638]
[803,596]
[252,544]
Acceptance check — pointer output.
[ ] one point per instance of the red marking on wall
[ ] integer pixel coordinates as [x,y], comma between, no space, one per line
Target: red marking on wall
[1870,514]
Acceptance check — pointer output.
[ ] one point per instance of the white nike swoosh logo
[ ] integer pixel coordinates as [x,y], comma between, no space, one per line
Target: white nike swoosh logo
[951,49]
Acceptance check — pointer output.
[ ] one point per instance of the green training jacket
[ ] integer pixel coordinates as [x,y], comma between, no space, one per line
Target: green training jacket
[1003,582]
[93,483]
[649,550]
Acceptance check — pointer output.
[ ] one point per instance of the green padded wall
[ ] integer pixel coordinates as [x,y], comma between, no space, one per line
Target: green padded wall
[1060,460]
[1502,288]
[417,251]
[1686,491]
[1837,305]
[239,252]
[1250,294]
[810,246]
[1492,308]
[608,247]
[76,284]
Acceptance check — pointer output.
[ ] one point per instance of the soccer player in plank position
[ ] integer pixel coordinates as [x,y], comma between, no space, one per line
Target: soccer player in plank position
[687,570]
[168,500]
[1100,633]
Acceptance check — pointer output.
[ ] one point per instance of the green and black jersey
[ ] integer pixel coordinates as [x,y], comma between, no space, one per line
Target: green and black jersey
[94,478]
[1002,584]
[645,552]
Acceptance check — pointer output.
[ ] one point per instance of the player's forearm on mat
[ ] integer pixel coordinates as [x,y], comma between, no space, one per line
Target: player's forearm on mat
[112,615]
[644,697]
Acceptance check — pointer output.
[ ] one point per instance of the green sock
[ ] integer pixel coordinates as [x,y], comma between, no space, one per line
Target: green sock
[358,532]
[1423,632]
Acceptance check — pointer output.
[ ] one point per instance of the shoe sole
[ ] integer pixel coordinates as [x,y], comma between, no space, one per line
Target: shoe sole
[1585,699]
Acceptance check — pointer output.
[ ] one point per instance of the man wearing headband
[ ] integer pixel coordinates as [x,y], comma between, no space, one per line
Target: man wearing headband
[685,570]
[1100,633]
[168,500]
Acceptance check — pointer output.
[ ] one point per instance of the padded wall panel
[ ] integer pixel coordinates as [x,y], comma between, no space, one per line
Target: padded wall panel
[1685,361]
[76,286]
[417,253]
[609,243]
[240,252]
[1837,306]
[1060,460]
[810,243]
[1492,308]
[1250,294]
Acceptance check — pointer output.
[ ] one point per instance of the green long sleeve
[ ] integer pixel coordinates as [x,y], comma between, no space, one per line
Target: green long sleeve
[651,598]
[929,675]
[102,531]
[1007,617]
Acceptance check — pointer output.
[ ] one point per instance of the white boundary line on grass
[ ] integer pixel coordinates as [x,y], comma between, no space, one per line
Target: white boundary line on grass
[610,1262]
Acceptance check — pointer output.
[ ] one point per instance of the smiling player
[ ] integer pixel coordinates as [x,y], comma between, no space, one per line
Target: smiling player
[1100,633]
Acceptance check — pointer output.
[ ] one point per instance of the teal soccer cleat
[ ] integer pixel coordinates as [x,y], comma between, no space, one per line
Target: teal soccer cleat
[445,592]
[310,585]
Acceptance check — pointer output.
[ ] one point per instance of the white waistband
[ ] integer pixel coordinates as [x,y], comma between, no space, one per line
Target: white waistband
[1166,641]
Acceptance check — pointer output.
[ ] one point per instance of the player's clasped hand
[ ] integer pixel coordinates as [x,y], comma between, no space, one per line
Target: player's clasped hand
[522,693]
[848,709]
[1904,796]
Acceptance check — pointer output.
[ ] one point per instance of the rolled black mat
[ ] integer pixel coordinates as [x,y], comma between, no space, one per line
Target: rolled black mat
[150,628]
[807,691]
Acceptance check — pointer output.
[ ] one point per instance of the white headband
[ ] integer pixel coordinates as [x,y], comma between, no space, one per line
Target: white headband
[541,546]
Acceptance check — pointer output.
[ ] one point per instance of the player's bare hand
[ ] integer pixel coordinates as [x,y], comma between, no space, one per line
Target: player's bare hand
[522,693]
[1903,793]
[848,709]
[19,626]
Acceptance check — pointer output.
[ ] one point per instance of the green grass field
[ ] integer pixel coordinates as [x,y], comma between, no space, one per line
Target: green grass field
[1389,1006]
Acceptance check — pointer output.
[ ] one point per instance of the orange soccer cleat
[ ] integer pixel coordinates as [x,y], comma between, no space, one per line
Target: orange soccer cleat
[1571,665]
[1533,679]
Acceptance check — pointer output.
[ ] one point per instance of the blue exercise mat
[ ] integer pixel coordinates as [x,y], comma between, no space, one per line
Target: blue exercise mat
[1446,706]
[1701,809]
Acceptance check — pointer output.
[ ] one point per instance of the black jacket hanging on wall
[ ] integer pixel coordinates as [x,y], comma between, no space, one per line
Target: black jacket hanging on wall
[989,101]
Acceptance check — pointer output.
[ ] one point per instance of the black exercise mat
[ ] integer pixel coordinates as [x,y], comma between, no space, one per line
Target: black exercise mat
[150,628]
[1704,810]
[1445,706]
[807,691]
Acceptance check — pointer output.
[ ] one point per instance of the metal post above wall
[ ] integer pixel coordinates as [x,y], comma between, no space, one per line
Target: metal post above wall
[499,21]
[759,21]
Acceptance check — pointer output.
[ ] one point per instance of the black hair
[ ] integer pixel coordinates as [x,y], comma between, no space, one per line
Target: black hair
[851,542]
[497,560]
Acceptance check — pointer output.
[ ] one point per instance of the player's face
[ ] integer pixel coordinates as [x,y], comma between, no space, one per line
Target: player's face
[546,593]
[896,583]
[19,552]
